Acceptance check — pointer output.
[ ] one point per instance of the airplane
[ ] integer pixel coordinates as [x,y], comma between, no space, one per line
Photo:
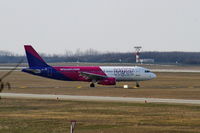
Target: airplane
[103,75]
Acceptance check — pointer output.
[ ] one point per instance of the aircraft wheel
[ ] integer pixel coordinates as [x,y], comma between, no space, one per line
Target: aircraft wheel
[137,84]
[92,85]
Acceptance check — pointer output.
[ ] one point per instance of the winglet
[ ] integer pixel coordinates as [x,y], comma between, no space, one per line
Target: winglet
[34,59]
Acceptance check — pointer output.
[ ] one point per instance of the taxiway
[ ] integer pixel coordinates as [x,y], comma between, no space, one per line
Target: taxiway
[97,98]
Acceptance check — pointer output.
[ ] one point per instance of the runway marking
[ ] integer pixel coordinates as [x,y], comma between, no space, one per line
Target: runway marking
[79,87]
[97,98]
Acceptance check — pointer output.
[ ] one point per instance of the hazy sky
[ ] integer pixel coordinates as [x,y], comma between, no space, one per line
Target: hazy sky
[53,26]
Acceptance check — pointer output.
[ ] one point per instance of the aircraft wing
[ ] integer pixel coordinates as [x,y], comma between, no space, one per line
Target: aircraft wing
[93,76]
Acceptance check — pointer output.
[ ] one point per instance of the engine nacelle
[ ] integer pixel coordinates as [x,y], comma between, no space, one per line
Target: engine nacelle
[107,81]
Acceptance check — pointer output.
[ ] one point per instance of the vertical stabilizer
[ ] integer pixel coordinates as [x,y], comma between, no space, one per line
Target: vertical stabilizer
[34,59]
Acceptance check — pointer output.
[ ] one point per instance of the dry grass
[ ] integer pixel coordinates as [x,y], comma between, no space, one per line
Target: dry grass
[166,85]
[42,116]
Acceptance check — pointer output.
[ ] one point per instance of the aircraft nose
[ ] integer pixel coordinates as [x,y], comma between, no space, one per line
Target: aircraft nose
[153,75]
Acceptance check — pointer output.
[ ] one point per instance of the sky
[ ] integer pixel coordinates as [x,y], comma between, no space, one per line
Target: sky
[55,26]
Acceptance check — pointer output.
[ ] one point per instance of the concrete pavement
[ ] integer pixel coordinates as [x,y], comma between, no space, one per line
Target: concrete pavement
[97,98]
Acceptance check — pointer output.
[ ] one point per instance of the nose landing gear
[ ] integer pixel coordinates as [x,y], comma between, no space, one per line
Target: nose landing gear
[137,84]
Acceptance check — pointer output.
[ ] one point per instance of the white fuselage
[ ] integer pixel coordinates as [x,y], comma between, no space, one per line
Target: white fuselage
[128,73]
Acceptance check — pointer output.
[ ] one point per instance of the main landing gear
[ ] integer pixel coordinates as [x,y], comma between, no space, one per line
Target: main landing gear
[92,85]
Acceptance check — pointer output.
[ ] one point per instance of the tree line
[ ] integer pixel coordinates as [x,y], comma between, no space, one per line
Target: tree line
[110,57]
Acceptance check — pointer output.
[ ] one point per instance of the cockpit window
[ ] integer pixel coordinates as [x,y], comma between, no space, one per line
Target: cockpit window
[147,71]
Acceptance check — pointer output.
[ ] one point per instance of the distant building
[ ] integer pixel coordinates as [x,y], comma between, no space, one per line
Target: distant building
[147,60]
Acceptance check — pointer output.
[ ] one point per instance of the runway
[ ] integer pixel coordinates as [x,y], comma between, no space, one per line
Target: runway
[97,98]
[176,70]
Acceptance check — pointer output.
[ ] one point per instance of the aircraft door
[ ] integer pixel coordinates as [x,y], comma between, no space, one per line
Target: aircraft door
[137,72]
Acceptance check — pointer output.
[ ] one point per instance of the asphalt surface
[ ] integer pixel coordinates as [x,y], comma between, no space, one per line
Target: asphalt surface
[97,98]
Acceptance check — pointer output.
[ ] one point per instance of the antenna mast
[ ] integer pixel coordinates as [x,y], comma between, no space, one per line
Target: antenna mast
[137,54]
